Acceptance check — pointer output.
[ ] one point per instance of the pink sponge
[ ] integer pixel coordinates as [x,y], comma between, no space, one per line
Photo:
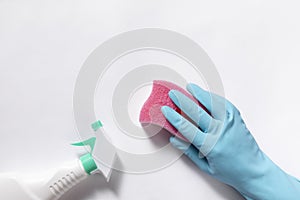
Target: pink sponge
[151,110]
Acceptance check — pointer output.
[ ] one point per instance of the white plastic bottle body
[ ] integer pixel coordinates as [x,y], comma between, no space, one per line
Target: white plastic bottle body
[52,188]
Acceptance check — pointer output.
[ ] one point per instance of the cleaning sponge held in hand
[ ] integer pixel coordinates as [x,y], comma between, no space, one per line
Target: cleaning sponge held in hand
[151,110]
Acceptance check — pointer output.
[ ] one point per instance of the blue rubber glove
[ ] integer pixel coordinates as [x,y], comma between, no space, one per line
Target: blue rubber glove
[234,157]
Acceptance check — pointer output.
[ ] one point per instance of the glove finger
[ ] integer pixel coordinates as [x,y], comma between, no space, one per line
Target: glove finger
[185,127]
[213,103]
[191,109]
[192,152]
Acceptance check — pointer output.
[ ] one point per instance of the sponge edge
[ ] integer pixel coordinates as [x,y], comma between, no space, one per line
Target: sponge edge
[151,110]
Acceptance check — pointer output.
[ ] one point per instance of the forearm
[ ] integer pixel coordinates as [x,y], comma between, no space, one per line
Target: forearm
[271,183]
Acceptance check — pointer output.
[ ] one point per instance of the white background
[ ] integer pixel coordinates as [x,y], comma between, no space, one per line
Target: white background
[254,45]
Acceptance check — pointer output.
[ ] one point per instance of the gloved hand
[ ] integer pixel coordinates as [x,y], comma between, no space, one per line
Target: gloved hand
[234,157]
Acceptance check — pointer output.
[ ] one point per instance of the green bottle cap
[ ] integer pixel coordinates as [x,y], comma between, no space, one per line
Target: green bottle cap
[88,163]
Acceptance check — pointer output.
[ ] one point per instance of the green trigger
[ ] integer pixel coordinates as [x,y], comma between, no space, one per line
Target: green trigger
[89,142]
